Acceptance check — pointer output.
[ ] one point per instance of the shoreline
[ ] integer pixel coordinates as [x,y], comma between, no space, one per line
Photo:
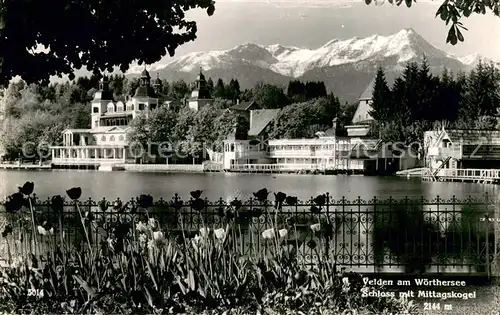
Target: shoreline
[177,168]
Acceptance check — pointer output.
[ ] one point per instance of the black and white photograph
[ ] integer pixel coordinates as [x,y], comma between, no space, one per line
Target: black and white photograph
[238,157]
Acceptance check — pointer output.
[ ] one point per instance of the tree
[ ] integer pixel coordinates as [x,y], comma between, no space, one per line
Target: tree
[382,102]
[210,86]
[233,90]
[303,120]
[269,96]
[86,34]
[220,89]
[155,130]
[178,90]
[481,93]
[453,11]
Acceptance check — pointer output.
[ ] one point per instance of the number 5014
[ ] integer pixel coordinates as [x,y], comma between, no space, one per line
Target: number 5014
[35,292]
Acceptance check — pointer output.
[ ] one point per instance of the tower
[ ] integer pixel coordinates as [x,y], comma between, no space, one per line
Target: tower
[158,84]
[101,99]
[145,98]
[200,96]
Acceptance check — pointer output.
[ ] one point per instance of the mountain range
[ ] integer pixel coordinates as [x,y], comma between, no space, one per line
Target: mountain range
[346,66]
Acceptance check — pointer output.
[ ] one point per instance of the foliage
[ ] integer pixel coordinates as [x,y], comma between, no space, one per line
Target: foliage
[381,102]
[269,96]
[419,99]
[453,11]
[303,120]
[298,92]
[87,35]
[142,267]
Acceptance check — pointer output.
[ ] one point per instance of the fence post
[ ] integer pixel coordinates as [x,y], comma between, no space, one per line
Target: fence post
[495,267]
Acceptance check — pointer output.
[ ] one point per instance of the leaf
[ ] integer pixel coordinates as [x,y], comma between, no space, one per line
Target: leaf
[368,1]
[181,286]
[409,3]
[460,36]
[191,281]
[442,12]
[452,37]
[90,291]
[149,297]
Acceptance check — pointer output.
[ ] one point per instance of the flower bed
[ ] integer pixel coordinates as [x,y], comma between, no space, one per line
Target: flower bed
[142,269]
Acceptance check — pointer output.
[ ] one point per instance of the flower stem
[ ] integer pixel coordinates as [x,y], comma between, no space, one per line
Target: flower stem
[34,226]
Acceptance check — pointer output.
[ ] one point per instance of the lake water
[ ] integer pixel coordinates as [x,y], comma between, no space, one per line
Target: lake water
[125,185]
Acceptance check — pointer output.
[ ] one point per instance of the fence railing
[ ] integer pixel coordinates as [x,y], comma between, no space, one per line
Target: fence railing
[412,235]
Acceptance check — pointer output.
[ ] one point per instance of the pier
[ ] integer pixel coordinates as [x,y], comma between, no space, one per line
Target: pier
[291,168]
[481,176]
[26,166]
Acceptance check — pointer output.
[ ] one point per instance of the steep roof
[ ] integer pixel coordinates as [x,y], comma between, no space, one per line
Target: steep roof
[472,135]
[259,119]
[145,91]
[243,106]
[368,92]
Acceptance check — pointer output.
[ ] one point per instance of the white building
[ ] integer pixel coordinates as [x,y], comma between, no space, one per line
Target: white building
[105,144]
[327,152]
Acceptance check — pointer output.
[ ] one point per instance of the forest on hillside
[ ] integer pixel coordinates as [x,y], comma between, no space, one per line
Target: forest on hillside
[417,101]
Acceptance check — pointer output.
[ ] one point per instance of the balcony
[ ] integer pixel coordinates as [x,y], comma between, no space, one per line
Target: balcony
[319,153]
[453,152]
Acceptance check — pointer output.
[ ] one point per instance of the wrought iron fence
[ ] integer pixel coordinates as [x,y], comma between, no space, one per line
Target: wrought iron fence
[414,235]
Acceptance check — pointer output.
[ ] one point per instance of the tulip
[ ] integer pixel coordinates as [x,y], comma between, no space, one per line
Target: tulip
[316,227]
[283,233]
[103,205]
[320,200]
[7,230]
[145,201]
[57,204]
[141,227]
[220,233]
[27,188]
[158,236]
[74,193]
[111,243]
[345,281]
[196,194]
[153,223]
[291,201]
[41,230]
[143,238]
[204,232]
[261,195]
[14,202]
[268,234]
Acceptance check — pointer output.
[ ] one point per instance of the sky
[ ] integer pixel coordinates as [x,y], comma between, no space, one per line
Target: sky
[312,23]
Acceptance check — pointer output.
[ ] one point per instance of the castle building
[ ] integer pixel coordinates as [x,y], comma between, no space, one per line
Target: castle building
[200,96]
[105,143]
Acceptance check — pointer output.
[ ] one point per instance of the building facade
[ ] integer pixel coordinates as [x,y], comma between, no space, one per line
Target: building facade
[356,153]
[462,149]
[106,143]
[200,96]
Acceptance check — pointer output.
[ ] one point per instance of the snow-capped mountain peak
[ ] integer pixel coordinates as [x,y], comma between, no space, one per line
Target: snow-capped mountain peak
[400,47]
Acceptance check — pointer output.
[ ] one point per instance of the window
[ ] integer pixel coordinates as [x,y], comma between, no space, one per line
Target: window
[121,138]
[141,106]
[96,110]
[110,109]
[103,138]
[112,138]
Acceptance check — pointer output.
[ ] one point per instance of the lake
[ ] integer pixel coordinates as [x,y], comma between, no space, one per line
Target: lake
[125,185]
